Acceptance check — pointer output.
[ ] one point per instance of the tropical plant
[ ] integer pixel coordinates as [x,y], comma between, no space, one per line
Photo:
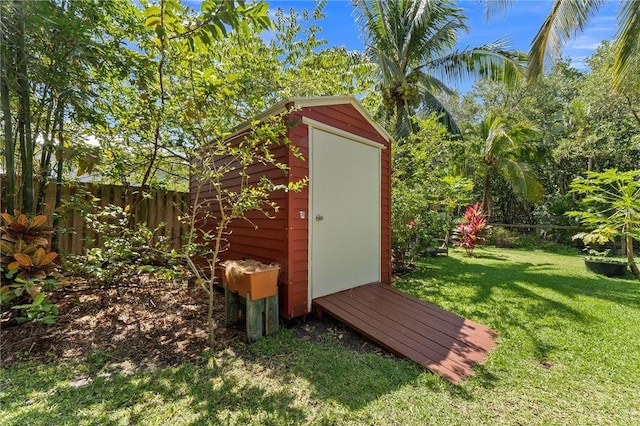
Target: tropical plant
[26,265]
[412,42]
[451,193]
[547,105]
[469,231]
[422,188]
[611,207]
[55,58]
[567,17]
[506,149]
[180,90]
[24,246]
[407,207]
[415,232]
[39,310]
[606,123]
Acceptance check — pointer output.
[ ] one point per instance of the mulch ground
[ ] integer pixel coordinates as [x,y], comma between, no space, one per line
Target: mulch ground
[145,322]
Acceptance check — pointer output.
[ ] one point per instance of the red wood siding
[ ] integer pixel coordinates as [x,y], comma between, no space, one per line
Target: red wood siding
[262,238]
[298,278]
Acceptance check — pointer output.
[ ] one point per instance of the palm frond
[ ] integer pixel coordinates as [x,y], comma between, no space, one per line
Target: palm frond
[524,132]
[429,83]
[400,124]
[417,16]
[627,41]
[493,7]
[494,61]
[437,32]
[432,104]
[442,40]
[370,19]
[522,180]
[564,20]
[388,69]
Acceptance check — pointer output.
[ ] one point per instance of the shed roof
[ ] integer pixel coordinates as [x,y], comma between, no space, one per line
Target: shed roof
[315,101]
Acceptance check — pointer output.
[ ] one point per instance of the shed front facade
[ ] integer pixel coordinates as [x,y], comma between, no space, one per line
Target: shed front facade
[336,233]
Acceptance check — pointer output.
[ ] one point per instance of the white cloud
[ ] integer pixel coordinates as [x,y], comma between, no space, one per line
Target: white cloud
[583,42]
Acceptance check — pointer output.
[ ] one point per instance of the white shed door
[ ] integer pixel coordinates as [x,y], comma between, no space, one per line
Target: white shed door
[345,213]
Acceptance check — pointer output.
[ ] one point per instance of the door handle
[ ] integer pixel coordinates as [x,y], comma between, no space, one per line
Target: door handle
[319,217]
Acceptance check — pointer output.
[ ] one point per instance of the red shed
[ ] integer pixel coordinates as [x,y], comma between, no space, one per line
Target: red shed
[336,233]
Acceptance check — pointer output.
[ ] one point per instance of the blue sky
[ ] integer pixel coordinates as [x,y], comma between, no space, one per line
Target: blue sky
[519,22]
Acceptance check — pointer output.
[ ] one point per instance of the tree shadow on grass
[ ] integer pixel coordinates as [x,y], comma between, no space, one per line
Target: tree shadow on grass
[205,394]
[515,297]
[516,279]
[491,256]
[265,383]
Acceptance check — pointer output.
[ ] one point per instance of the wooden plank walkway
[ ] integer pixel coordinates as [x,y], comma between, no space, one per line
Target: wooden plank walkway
[437,339]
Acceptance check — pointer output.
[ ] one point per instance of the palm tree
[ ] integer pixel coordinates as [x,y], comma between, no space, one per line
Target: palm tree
[411,42]
[507,150]
[568,16]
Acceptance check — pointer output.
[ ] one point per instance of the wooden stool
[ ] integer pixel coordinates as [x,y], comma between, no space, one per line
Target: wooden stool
[262,315]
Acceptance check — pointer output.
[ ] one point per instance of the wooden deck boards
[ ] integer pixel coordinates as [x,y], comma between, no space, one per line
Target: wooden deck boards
[440,340]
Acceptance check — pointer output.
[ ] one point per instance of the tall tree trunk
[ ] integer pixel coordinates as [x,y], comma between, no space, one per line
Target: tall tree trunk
[9,145]
[45,157]
[24,126]
[55,240]
[159,117]
[486,196]
[630,259]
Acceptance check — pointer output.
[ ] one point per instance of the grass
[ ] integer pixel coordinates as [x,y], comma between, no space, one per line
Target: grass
[568,353]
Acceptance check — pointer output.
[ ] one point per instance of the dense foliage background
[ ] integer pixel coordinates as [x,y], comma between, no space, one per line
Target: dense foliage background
[114,92]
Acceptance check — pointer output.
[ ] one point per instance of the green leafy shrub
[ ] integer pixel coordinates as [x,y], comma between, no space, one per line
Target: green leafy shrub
[503,238]
[506,238]
[124,250]
[407,226]
[553,212]
[415,228]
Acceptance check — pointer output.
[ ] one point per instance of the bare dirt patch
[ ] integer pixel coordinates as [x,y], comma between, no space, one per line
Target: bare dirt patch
[146,323]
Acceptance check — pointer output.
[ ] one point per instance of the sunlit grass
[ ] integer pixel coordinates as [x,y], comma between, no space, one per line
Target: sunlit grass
[568,353]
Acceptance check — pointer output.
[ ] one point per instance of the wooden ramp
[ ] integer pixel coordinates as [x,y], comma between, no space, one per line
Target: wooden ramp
[437,339]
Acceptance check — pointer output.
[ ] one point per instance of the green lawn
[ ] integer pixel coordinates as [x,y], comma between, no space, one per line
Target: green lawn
[569,353]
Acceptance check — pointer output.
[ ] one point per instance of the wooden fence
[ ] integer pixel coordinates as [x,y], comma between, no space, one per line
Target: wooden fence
[79,198]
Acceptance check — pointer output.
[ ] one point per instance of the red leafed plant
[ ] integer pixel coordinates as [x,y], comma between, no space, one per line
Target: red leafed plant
[469,231]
